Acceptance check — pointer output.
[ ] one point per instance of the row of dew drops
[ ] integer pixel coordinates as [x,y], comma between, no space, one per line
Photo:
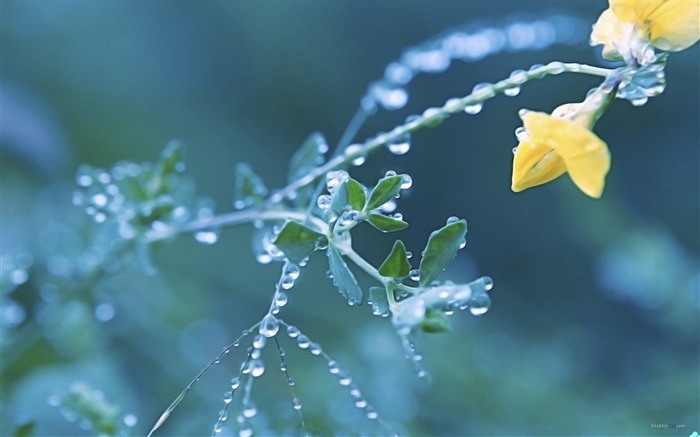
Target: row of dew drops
[254,366]
[436,56]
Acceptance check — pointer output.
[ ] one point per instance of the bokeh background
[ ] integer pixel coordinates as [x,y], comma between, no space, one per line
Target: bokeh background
[594,324]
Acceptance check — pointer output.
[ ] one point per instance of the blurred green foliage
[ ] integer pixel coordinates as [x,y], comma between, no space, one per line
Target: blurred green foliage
[594,324]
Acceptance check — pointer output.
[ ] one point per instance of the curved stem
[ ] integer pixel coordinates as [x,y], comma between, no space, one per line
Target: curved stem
[431,117]
[361,263]
[235,218]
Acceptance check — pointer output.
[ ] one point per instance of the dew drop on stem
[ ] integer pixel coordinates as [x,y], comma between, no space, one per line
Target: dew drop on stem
[512,91]
[473,108]
[269,326]
[400,145]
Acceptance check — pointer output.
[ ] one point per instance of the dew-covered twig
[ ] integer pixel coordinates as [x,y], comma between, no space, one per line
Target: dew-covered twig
[166,414]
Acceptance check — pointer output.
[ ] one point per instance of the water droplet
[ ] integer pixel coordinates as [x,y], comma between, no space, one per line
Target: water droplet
[344,379]
[235,383]
[473,108]
[281,299]
[479,304]
[555,67]
[398,73]
[296,404]
[18,276]
[130,420]
[269,326]
[537,70]
[228,397]
[521,134]
[371,412]
[463,244]
[249,410]
[390,97]
[259,341]
[400,145]
[639,101]
[245,431]
[522,113]
[99,200]
[518,77]
[414,275]
[324,202]
[315,349]
[433,117]
[257,367]
[223,416]
[303,341]
[452,219]
[292,270]
[406,182]
[334,179]
[483,91]
[333,367]
[84,176]
[354,391]
[293,331]
[291,382]
[207,237]
[453,105]
[477,311]
[360,403]
[104,312]
[512,91]
[287,282]
[388,207]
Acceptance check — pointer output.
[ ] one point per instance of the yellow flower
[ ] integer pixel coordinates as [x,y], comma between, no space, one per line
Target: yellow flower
[626,27]
[559,143]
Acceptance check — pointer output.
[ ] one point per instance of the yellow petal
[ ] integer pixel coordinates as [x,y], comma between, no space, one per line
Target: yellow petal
[670,25]
[585,156]
[535,164]
[605,32]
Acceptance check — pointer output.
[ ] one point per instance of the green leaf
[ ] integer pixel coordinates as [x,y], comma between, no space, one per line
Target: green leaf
[343,277]
[442,247]
[297,241]
[171,158]
[356,194]
[435,321]
[385,223]
[339,199]
[396,265]
[386,189]
[308,157]
[348,195]
[248,187]
[24,430]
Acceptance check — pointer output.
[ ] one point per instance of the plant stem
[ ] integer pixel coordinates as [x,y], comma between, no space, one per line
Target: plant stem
[238,217]
[361,263]
[431,117]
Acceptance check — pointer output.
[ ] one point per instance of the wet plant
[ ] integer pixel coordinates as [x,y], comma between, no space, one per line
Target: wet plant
[133,208]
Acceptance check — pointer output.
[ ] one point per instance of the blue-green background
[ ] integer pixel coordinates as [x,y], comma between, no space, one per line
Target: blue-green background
[594,324]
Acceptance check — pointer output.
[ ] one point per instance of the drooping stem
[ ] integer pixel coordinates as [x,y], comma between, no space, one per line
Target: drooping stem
[431,117]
